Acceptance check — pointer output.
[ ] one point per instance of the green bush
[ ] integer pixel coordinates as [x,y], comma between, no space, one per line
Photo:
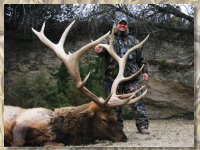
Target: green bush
[37,91]
[19,92]
[65,85]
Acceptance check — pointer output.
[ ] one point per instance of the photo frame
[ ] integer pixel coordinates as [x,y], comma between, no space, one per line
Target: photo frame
[196,50]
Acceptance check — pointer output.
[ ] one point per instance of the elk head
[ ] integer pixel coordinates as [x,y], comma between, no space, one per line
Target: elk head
[103,118]
[106,123]
[102,123]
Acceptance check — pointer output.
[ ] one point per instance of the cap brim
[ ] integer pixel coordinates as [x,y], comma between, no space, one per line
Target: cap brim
[123,21]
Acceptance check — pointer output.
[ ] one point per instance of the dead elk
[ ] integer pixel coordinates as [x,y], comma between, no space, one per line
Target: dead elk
[68,125]
[73,125]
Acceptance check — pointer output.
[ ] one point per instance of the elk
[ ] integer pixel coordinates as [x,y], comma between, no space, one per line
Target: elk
[78,125]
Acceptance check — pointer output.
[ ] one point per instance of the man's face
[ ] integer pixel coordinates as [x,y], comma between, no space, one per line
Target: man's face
[122,26]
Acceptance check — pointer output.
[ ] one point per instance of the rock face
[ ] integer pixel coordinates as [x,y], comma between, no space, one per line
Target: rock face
[171,69]
[30,63]
[167,99]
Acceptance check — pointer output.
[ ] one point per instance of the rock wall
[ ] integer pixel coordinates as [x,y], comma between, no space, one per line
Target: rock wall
[167,99]
[171,69]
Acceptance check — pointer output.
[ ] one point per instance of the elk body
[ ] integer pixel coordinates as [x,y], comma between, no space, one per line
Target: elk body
[72,125]
[68,125]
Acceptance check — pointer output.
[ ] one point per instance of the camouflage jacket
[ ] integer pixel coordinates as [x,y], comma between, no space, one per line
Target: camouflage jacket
[134,61]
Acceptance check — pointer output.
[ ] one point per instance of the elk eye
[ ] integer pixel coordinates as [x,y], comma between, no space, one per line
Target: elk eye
[104,120]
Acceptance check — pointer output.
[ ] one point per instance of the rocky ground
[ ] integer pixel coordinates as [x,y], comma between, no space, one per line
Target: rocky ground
[164,133]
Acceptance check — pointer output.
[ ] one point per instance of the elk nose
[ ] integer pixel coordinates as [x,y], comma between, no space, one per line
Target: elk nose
[124,139]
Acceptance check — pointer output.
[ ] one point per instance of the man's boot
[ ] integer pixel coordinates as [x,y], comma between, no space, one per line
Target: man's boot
[144,131]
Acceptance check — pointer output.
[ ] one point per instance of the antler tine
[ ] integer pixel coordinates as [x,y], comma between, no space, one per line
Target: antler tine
[84,81]
[109,47]
[130,95]
[108,98]
[135,47]
[112,34]
[118,102]
[57,48]
[89,46]
[137,98]
[133,75]
[65,33]
[43,38]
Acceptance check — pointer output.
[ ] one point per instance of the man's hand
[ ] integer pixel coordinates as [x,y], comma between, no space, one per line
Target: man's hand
[98,49]
[145,76]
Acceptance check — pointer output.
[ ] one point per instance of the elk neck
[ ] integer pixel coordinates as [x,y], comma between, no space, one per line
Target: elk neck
[72,125]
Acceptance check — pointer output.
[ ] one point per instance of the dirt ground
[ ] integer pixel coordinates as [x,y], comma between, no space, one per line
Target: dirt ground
[164,133]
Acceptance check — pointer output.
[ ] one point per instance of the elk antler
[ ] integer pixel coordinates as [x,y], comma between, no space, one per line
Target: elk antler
[71,61]
[116,100]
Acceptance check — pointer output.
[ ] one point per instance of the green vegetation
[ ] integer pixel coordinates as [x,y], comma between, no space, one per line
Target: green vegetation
[39,91]
[163,66]
[34,92]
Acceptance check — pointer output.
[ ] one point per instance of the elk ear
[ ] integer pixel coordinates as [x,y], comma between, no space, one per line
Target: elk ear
[87,113]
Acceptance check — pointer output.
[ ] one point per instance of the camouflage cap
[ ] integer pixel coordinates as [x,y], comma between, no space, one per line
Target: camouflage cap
[122,20]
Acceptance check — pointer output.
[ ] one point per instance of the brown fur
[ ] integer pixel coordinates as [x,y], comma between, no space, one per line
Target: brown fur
[68,125]
[8,128]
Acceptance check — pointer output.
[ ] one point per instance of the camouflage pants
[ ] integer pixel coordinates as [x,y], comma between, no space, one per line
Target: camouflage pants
[138,108]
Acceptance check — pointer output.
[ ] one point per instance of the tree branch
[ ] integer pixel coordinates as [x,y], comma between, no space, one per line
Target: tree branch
[171,10]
